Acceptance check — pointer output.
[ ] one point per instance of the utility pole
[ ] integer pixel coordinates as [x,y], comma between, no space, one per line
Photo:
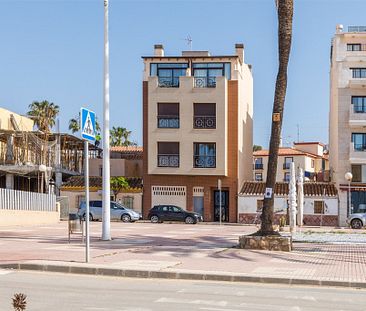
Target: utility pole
[106,217]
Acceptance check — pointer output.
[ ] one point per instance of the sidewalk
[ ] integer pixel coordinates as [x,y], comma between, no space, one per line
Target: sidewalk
[184,251]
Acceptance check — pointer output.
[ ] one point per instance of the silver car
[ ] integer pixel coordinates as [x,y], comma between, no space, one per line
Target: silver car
[118,212]
[357,220]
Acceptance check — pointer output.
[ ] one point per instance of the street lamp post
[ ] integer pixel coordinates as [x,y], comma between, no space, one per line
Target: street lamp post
[348,176]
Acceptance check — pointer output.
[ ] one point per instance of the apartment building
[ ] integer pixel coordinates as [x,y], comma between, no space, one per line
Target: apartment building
[347,122]
[310,156]
[197,128]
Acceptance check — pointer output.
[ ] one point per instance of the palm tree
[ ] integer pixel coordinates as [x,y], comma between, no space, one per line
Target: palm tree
[44,114]
[284,14]
[120,137]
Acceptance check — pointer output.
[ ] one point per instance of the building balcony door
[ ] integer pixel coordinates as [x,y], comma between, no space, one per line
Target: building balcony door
[224,205]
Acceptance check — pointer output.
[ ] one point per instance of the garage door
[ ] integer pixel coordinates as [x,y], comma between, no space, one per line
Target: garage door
[174,195]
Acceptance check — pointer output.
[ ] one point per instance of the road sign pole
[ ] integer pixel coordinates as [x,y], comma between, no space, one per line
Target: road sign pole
[106,218]
[86,176]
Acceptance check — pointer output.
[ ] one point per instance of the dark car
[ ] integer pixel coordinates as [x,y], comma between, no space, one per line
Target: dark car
[160,213]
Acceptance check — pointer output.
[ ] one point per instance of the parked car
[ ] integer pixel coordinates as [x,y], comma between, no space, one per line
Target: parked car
[160,213]
[118,212]
[357,220]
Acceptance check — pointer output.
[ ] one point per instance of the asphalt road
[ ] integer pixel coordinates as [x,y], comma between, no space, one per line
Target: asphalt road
[61,292]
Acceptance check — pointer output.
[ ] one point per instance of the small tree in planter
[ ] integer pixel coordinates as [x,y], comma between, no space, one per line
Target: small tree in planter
[118,184]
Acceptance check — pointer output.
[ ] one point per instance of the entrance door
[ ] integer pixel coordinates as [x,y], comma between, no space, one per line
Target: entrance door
[198,205]
[224,205]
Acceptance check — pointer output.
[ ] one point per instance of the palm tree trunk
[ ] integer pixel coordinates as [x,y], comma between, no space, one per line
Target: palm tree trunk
[285,14]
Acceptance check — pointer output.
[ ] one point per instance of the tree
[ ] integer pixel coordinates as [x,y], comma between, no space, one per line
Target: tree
[257,148]
[120,137]
[284,14]
[118,184]
[44,114]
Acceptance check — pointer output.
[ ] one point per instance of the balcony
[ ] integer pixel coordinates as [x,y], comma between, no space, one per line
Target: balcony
[357,154]
[357,116]
[286,166]
[168,160]
[258,166]
[204,122]
[168,121]
[168,81]
[204,161]
[203,82]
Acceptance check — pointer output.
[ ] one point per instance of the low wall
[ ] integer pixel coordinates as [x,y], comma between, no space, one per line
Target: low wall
[18,217]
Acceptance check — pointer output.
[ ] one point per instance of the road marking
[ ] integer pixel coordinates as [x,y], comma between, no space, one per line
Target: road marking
[196,302]
[219,309]
[4,272]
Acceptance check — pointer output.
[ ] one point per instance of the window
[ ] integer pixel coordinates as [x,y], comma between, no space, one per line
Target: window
[168,154]
[204,116]
[205,73]
[258,163]
[358,72]
[357,173]
[287,163]
[318,207]
[168,115]
[100,170]
[359,104]
[286,177]
[354,47]
[312,163]
[168,73]
[258,177]
[204,155]
[260,205]
[128,202]
[359,141]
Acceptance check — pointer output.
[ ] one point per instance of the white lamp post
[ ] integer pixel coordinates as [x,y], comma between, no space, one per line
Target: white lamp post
[348,176]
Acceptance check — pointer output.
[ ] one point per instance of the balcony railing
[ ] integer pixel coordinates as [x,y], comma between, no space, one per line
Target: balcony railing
[168,121]
[286,166]
[205,161]
[357,29]
[168,81]
[359,147]
[168,160]
[204,122]
[204,82]
[258,166]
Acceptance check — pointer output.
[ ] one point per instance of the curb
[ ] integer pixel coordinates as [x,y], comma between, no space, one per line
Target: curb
[177,275]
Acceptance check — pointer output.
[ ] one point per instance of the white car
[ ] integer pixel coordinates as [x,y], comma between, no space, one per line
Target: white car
[357,220]
[118,212]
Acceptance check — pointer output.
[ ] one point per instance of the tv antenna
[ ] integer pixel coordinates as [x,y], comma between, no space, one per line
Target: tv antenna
[189,42]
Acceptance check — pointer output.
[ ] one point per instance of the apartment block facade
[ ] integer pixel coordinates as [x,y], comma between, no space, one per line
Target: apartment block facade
[310,156]
[197,129]
[347,122]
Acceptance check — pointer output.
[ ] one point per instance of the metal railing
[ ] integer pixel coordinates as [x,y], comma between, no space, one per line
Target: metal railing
[204,82]
[168,121]
[205,161]
[204,122]
[286,166]
[168,81]
[258,166]
[26,201]
[168,160]
[359,108]
[356,28]
[359,147]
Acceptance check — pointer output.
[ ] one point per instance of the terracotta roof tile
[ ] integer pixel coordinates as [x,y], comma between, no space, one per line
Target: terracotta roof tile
[96,182]
[310,188]
[128,152]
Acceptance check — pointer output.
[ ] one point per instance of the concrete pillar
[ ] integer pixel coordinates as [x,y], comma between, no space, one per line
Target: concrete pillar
[9,181]
[58,183]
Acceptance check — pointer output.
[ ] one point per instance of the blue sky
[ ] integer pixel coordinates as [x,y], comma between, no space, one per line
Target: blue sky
[54,50]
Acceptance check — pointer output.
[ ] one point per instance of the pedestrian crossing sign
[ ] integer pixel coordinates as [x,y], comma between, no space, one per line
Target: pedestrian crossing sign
[87,124]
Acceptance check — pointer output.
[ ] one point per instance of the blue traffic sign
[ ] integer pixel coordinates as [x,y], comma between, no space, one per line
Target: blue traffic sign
[87,124]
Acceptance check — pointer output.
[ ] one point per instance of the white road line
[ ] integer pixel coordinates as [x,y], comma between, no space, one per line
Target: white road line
[219,309]
[196,302]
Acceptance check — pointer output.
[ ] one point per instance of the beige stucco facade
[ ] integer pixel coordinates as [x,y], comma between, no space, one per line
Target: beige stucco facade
[343,119]
[24,123]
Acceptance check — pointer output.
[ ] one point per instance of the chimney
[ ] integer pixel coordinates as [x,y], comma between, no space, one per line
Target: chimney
[158,50]
[339,28]
[239,51]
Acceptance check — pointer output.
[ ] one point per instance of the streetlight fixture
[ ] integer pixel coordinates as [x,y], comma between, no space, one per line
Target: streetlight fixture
[348,176]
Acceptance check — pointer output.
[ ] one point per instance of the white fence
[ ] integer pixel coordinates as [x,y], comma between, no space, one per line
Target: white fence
[27,201]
